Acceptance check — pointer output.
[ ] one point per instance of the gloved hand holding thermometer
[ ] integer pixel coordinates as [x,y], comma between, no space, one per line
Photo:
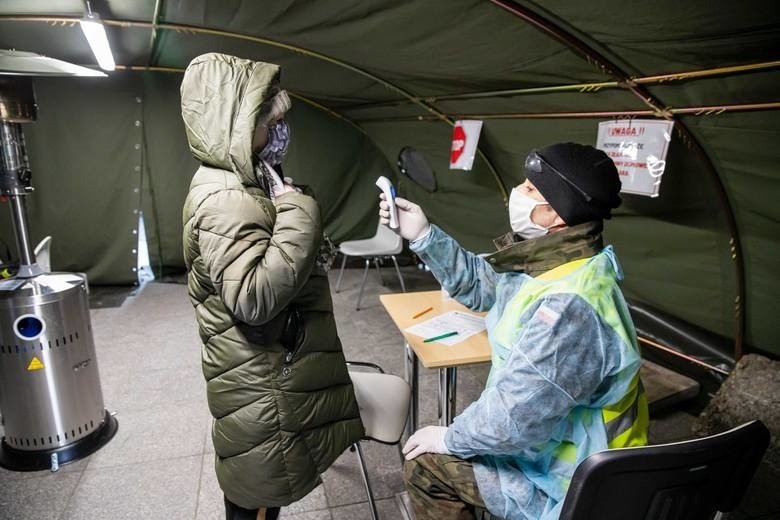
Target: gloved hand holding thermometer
[412,222]
[388,190]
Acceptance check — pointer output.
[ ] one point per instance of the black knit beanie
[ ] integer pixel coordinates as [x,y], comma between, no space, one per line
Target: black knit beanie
[587,168]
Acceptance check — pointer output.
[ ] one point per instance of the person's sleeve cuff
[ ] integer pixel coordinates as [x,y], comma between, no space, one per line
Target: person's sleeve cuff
[450,445]
[423,241]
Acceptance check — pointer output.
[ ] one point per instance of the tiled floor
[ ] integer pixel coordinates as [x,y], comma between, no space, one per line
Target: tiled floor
[159,465]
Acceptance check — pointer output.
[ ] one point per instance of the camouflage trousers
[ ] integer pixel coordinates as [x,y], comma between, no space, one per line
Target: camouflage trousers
[442,487]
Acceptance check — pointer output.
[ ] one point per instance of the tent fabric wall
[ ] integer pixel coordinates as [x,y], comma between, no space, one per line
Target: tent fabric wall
[85,156]
[466,204]
[744,148]
[675,249]
[168,169]
[341,164]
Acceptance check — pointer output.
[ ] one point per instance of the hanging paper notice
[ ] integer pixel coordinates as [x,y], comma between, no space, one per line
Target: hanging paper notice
[638,147]
[465,136]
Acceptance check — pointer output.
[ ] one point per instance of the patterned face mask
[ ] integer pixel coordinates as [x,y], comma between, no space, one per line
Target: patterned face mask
[278,141]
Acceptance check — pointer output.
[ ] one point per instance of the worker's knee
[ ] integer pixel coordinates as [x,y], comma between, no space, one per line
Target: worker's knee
[433,469]
[421,471]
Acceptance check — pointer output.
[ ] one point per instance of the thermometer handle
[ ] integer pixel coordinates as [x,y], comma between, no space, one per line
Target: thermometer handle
[384,184]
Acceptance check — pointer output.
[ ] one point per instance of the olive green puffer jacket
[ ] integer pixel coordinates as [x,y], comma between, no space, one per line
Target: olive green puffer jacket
[277,382]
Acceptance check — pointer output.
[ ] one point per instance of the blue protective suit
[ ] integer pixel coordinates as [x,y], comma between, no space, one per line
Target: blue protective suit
[564,348]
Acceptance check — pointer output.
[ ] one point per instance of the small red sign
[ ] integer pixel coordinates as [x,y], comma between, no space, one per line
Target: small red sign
[458,143]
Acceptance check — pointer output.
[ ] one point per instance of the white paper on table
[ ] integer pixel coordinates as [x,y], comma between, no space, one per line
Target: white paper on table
[464,323]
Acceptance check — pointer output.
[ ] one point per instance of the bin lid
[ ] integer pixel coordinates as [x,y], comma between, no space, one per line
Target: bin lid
[41,285]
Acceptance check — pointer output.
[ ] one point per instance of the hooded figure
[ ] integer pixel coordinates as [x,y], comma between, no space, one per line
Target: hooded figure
[277,382]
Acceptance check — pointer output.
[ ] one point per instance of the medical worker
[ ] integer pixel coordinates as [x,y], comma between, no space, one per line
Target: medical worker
[564,381]
[277,383]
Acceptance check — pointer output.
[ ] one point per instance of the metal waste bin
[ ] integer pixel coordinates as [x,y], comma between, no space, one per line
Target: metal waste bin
[50,396]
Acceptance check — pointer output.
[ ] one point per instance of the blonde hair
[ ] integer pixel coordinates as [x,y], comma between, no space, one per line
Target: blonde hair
[274,108]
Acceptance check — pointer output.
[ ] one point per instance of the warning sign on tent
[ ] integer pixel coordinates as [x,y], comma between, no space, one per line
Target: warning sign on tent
[35,364]
[638,147]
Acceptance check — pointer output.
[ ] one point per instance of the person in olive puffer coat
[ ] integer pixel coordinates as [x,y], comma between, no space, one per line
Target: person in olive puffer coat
[277,382]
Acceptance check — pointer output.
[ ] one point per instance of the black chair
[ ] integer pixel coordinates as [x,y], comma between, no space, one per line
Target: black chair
[698,479]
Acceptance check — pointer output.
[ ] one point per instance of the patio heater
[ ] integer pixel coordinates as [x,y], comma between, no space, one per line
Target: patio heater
[50,396]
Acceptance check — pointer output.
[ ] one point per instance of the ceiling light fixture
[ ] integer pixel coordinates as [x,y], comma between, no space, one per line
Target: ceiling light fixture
[95,32]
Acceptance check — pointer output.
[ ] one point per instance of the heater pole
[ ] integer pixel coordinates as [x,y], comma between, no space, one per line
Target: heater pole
[15,177]
[18,213]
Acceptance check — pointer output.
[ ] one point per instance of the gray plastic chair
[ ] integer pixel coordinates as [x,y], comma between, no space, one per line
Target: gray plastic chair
[385,243]
[383,400]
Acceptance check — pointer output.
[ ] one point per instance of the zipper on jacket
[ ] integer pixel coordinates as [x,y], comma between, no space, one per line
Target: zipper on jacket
[288,356]
[292,335]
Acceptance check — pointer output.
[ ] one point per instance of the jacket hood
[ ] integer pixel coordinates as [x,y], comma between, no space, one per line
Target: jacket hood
[221,98]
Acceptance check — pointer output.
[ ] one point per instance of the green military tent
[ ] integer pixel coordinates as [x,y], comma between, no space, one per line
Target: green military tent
[371,77]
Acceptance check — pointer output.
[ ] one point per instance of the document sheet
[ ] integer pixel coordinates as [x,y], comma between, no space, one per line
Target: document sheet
[465,324]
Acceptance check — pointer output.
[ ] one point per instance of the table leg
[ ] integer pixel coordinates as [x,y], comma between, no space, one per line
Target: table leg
[411,371]
[448,378]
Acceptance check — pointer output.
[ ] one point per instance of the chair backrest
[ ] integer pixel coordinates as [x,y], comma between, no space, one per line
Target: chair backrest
[390,241]
[385,242]
[383,400]
[690,480]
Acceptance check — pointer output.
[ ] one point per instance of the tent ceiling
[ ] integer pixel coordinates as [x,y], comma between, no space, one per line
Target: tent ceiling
[381,65]
[424,48]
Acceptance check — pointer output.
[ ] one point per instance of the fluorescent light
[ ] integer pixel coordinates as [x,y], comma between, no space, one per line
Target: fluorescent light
[96,36]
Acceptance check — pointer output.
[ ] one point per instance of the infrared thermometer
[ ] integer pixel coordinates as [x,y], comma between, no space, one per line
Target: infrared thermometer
[384,184]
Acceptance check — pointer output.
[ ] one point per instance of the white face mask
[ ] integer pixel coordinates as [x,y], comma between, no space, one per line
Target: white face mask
[520,208]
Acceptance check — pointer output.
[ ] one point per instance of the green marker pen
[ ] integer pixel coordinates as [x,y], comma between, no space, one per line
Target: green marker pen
[442,336]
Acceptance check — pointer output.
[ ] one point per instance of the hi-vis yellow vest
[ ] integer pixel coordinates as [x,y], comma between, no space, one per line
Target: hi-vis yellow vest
[625,420]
